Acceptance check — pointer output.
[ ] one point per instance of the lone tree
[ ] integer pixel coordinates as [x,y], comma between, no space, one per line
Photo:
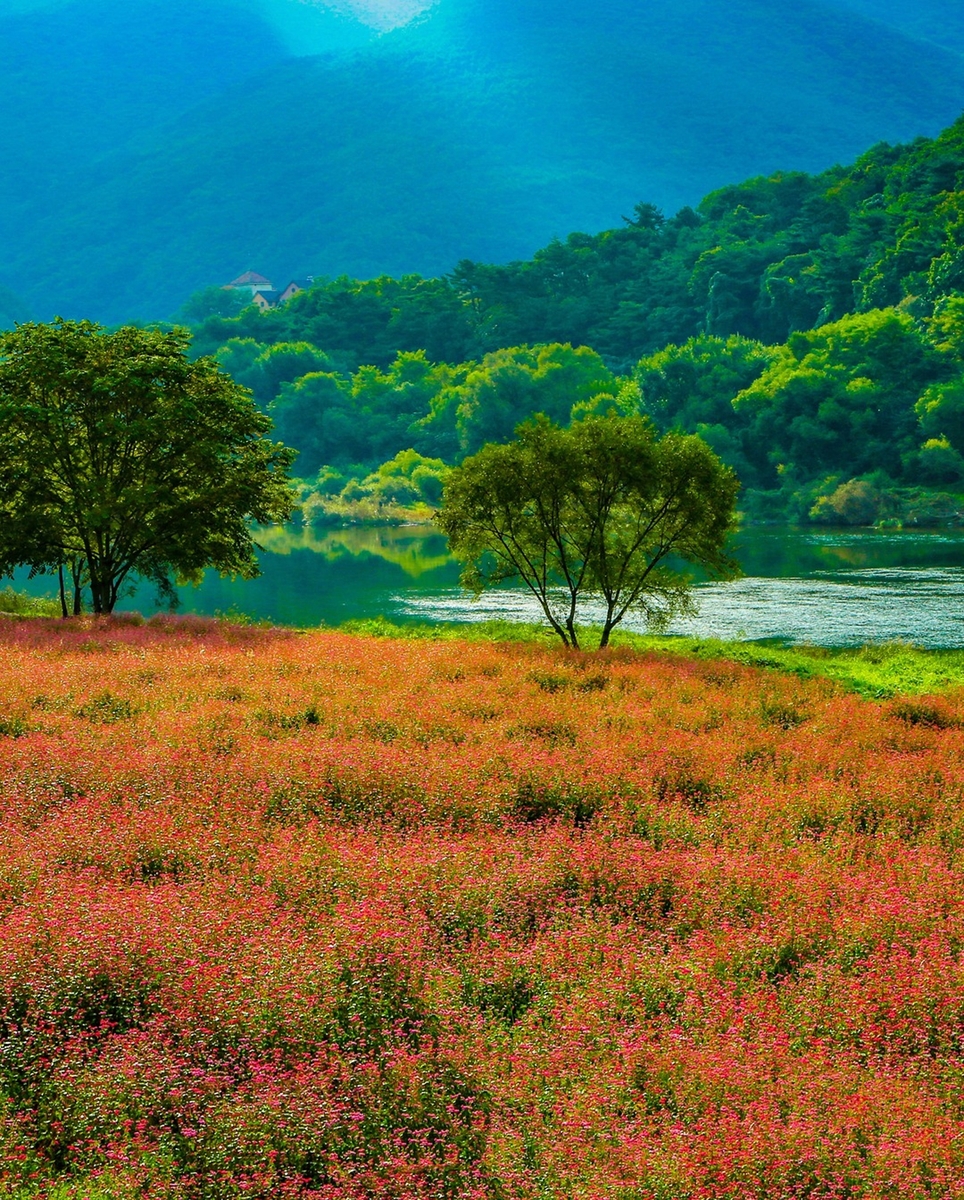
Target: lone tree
[119,457]
[604,509]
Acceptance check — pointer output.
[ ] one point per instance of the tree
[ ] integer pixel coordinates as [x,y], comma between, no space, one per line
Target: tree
[603,509]
[122,458]
[840,398]
[510,385]
[213,302]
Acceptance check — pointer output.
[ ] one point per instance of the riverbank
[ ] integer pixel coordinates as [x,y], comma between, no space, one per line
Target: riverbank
[875,671]
[821,504]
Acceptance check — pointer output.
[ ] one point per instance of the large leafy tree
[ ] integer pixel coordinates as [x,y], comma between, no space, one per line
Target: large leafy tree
[122,458]
[605,509]
[840,398]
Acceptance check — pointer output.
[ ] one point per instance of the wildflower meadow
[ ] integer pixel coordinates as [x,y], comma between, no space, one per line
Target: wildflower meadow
[337,917]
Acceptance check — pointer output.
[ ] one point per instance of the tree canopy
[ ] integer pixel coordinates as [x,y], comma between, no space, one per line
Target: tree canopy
[605,509]
[122,458]
[810,328]
[763,259]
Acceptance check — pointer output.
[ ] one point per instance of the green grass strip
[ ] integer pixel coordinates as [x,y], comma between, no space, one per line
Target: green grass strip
[876,671]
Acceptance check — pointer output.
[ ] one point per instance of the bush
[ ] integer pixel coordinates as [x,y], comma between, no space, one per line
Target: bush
[856,502]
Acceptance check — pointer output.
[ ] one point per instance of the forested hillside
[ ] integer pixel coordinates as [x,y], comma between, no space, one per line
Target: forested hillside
[153,146]
[811,327]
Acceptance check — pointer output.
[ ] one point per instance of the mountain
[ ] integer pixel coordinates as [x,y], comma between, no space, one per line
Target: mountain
[937,21]
[154,147]
[809,327]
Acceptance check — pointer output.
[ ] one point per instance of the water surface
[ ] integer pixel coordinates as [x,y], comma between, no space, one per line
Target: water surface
[840,587]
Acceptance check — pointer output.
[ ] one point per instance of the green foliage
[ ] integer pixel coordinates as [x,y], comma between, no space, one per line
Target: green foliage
[692,387]
[343,421]
[856,502]
[855,389]
[264,369]
[410,476]
[212,302]
[603,509]
[510,385]
[123,456]
[353,422]
[395,406]
[938,463]
[840,397]
[19,604]
[761,260]
[408,486]
[694,384]
[940,410]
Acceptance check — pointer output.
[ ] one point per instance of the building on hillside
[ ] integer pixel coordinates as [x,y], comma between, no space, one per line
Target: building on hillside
[251,282]
[296,286]
[264,295]
[265,298]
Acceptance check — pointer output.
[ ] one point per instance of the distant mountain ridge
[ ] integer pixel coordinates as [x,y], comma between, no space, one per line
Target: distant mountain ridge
[937,21]
[153,147]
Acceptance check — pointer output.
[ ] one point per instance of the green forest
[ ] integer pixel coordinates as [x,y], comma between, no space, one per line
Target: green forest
[809,327]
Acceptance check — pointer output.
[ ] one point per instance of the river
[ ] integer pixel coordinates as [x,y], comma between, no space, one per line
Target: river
[835,588]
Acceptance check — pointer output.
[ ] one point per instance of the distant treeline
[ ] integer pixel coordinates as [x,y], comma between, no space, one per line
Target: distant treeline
[810,327]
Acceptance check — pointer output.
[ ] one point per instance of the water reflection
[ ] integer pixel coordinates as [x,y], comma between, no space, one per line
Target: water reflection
[782,553]
[838,587]
[414,549]
[834,587]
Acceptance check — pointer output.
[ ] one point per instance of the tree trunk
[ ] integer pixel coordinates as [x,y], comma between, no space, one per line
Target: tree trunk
[76,571]
[63,592]
[608,627]
[97,591]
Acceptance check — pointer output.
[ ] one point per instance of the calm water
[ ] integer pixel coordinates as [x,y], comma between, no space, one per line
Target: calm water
[831,588]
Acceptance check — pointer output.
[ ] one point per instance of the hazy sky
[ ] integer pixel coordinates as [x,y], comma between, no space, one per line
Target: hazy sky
[380,14]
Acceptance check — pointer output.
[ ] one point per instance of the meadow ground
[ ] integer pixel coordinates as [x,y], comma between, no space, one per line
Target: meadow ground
[335,916]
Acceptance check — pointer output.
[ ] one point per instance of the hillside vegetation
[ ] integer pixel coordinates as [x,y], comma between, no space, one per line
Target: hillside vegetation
[810,327]
[151,148]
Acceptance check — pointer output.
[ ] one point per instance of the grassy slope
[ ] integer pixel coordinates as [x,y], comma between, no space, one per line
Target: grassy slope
[873,671]
[600,902]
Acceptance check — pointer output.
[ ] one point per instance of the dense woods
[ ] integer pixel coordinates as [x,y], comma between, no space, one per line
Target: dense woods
[810,327]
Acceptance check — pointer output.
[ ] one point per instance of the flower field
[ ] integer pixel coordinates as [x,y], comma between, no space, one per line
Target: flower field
[318,915]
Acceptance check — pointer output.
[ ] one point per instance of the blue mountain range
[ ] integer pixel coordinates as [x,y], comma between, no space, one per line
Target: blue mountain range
[152,147]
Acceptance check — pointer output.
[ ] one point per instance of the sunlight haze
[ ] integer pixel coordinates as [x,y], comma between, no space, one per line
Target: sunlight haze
[379,14]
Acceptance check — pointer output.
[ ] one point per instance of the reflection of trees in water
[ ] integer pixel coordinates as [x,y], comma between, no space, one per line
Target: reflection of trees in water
[767,552]
[785,553]
[416,550]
